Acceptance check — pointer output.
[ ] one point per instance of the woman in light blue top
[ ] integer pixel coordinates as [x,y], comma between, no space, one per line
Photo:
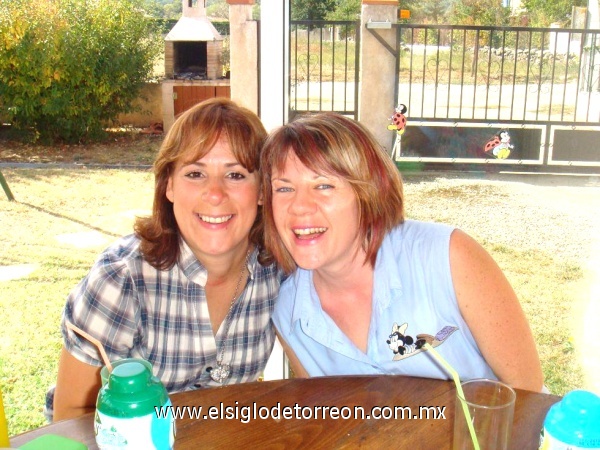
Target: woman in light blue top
[368,288]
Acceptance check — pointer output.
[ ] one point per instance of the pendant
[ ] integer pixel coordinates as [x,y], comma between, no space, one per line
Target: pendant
[220,373]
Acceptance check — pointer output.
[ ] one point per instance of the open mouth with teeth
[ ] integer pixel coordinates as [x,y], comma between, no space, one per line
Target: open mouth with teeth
[309,233]
[217,220]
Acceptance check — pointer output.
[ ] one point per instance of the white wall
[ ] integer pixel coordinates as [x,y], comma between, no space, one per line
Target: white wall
[274,36]
[594,14]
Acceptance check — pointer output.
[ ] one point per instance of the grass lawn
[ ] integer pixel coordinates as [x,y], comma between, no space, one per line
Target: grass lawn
[61,221]
[63,217]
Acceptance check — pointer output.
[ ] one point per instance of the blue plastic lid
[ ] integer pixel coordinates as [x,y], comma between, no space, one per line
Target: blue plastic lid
[575,420]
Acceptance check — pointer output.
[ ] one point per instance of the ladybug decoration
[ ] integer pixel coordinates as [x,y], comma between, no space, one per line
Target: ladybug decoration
[499,145]
[398,125]
[398,119]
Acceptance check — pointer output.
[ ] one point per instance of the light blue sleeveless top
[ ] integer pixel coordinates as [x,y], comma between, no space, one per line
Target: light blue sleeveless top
[413,302]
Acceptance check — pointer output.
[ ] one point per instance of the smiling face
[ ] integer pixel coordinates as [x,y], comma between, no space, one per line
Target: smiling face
[215,202]
[316,216]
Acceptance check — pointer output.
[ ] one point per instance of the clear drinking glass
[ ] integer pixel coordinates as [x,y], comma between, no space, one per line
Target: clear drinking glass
[491,405]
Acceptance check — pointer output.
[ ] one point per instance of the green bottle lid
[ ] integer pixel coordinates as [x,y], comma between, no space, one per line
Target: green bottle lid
[131,391]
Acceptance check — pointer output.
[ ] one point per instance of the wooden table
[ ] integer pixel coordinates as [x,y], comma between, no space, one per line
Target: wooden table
[356,391]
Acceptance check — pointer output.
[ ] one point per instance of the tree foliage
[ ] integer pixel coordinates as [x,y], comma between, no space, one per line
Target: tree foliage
[311,9]
[345,10]
[489,12]
[217,9]
[428,11]
[70,67]
[480,12]
[542,13]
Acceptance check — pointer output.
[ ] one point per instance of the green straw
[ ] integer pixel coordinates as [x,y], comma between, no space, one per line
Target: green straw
[461,395]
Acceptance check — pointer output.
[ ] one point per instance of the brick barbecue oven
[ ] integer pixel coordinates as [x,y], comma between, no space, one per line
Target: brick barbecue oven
[193,62]
[193,47]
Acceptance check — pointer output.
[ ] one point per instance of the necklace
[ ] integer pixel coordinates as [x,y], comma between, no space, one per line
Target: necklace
[222,371]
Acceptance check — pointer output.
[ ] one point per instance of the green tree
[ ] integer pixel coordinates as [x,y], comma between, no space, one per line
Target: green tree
[164,9]
[218,9]
[428,11]
[256,10]
[311,9]
[154,8]
[68,68]
[345,10]
[480,12]
[437,11]
[172,10]
[542,13]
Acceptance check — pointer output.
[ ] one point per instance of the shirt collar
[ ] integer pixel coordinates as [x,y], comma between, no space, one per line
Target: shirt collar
[189,264]
[305,303]
[196,272]
[252,262]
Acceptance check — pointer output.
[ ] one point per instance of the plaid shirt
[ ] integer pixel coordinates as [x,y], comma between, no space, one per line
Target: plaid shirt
[137,311]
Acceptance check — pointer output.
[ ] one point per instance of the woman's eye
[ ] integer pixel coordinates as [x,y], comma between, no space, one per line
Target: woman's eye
[282,189]
[236,176]
[194,174]
[325,186]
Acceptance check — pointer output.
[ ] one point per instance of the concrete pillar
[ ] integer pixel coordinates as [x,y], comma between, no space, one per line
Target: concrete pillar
[376,102]
[243,48]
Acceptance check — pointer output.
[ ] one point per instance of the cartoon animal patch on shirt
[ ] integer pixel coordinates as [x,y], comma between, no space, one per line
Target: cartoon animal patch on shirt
[403,345]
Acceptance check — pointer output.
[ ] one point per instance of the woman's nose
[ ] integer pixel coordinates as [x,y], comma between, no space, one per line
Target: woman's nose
[214,192]
[302,203]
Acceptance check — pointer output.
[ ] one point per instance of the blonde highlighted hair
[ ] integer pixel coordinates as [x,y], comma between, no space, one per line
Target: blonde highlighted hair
[330,143]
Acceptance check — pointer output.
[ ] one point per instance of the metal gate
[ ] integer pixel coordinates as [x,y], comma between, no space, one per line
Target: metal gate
[515,96]
[324,67]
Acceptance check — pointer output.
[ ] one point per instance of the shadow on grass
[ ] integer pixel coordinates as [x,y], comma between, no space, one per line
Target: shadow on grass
[70,219]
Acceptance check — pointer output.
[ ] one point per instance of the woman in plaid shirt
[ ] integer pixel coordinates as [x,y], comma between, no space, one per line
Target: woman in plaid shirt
[188,291]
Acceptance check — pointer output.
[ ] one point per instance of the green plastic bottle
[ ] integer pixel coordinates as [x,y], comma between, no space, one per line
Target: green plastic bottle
[133,411]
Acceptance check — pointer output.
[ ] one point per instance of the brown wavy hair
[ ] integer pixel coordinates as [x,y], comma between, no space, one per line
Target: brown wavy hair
[191,137]
[333,144]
